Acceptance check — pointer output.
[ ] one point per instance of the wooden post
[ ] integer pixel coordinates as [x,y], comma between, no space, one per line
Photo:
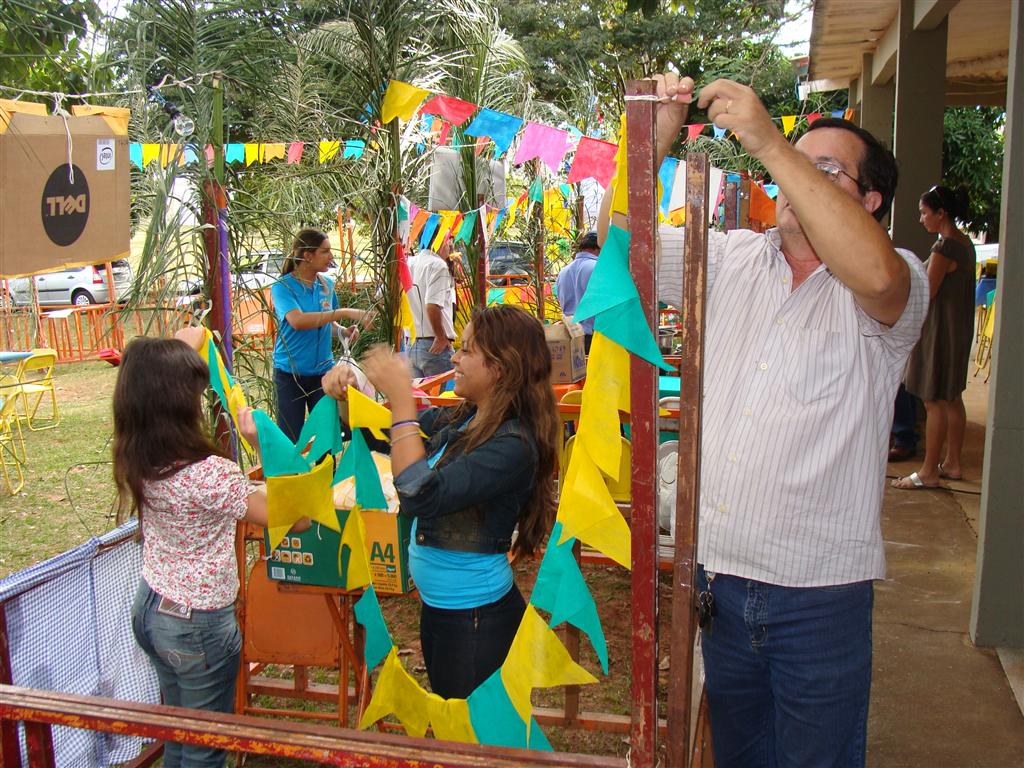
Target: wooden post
[731,211]
[643,378]
[10,750]
[482,263]
[691,387]
[743,214]
[539,246]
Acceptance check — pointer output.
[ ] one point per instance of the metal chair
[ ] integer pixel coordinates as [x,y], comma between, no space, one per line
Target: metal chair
[40,361]
[11,436]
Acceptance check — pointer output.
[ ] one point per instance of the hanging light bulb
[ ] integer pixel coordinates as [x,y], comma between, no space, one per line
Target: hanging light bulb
[183,125]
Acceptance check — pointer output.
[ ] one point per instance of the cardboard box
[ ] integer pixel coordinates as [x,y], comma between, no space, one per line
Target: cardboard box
[311,557]
[49,220]
[568,354]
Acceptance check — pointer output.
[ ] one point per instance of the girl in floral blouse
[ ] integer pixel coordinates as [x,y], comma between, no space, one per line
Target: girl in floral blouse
[188,497]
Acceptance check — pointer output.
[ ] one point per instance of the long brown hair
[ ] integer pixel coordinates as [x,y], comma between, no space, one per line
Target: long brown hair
[512,341]
[158,415]
[308,239]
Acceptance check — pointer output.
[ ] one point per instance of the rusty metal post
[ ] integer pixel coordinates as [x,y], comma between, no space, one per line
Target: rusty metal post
[39,745]
[691,387]
[643,377]
[482,263]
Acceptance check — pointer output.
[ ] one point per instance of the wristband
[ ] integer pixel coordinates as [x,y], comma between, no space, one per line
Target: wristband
[404,423]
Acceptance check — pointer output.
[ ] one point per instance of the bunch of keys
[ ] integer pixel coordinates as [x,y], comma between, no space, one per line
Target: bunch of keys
[706,606]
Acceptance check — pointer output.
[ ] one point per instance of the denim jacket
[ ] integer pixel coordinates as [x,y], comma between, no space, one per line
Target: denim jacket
[469,502]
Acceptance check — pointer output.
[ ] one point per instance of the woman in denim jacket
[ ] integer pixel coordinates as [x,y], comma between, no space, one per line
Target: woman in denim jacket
[480,484]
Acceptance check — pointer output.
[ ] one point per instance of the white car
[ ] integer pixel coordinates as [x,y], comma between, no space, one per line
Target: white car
[79,286]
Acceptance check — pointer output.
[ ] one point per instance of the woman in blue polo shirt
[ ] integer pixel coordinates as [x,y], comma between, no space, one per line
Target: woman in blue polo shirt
[306,308]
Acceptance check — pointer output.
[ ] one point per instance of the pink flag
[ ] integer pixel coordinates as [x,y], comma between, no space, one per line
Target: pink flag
[547,143]
[481,144]
[209,155]
[442,139]
[595,159]
[294,152]
[693,130]
[812,117]
[455,111]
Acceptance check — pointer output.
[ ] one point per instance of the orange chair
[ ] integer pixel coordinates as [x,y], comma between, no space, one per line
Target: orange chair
[41,363]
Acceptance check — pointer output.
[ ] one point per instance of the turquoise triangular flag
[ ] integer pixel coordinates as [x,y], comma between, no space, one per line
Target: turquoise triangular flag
[357,461]
[279,454]
[610,283]
[324,425]
[626,325]
[561,591]
[468,226]
[496,722]
[378,639]
[135,153]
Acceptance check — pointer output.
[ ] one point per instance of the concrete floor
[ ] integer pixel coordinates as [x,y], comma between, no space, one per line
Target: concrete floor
[937,701]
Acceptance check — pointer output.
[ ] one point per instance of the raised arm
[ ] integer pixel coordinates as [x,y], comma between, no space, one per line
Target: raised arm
[835,220]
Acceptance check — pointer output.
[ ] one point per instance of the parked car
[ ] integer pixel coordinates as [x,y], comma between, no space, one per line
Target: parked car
[79,286]
[258,269]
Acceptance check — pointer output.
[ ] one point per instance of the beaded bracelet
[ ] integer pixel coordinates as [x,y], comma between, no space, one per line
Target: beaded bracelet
[405,423]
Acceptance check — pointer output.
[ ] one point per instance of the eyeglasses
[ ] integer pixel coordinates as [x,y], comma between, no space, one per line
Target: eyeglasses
[833,171]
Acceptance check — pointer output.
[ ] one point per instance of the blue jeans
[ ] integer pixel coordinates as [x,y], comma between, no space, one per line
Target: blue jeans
[788,673]
[296,395]
[462,648]
[425,363]
[196,662]
[904,420]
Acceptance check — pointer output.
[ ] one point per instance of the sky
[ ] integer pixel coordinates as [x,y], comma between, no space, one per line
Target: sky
[795,37]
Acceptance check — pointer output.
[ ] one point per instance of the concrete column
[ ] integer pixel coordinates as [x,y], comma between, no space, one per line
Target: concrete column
[920,102]
[997,610]
[876,104]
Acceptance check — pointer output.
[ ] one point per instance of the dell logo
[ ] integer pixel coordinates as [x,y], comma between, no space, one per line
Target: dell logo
[65,205]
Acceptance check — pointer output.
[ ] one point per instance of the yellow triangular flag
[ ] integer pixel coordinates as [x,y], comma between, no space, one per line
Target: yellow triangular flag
[354,537]
[398,694]
[290,497]
[537,659]
[232,390]
[605,392]
[587,511]
[401,101]
[449,719]
[252,153]
[620,183]
[788,124]
[274,151]
[366,412]
[328,149]
[444,228]
[150,152]
[405,317]
[168,153]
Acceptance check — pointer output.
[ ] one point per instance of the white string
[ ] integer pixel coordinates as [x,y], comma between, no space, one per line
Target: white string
[645,97]
[58,109]
[167,80]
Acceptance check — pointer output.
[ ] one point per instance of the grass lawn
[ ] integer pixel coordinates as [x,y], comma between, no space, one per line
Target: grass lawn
[68,495]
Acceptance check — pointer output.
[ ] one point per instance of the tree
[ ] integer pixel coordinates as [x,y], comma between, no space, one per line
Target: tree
[972,157]
[45,45]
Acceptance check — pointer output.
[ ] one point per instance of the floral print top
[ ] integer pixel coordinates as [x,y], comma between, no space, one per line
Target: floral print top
[188,522]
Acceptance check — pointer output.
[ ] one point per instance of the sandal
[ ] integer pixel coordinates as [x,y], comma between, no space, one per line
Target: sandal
[946,476]
[911,482]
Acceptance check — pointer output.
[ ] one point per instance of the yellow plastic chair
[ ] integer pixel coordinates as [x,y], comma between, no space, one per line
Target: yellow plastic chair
[41,363]
[11,437]
[620,489]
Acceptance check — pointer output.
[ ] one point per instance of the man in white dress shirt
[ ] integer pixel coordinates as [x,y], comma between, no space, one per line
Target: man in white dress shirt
[808,330]
[431,300]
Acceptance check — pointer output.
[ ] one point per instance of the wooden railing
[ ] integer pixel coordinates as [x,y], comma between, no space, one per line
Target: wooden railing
[40,710]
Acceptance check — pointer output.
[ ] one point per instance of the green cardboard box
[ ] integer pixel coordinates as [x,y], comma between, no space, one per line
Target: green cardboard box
[311,557]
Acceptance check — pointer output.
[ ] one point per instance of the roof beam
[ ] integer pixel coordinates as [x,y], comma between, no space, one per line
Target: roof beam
[883,68]
[928,14]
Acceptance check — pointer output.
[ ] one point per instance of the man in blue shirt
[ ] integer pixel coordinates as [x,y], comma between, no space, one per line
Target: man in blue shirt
[573,279]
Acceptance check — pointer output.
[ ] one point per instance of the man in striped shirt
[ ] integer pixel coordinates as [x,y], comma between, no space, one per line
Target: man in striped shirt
[808,330]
